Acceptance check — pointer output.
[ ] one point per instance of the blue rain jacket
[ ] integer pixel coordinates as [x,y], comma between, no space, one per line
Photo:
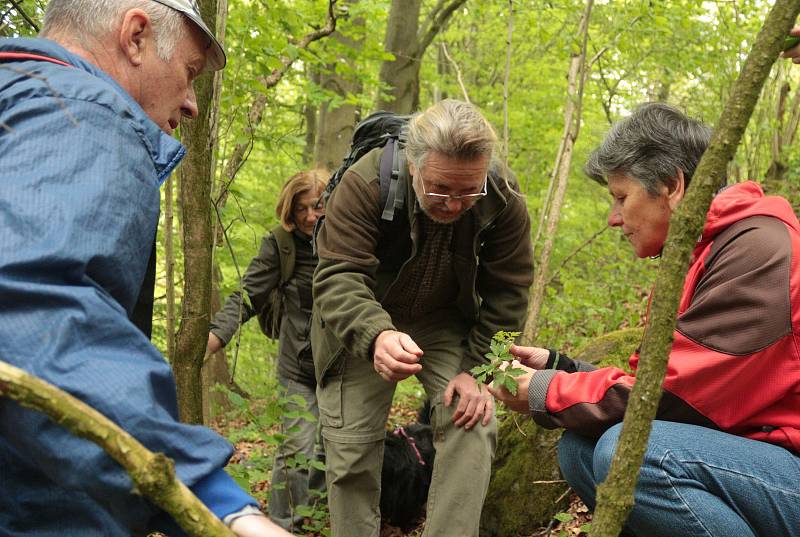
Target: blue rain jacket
[80,170]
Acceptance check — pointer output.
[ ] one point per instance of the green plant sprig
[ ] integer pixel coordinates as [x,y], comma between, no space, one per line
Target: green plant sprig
[499,367]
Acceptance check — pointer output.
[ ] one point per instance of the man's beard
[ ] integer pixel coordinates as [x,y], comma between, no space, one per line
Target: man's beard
[454,217]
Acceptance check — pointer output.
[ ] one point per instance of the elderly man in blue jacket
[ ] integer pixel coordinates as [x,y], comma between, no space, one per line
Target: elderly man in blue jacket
[86,114]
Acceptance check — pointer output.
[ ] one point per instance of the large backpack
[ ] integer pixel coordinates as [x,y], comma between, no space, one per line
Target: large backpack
[269,318]
[379,129]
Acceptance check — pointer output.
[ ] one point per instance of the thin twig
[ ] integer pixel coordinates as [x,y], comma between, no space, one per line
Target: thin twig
[458,72]
[25,16]
[574,253]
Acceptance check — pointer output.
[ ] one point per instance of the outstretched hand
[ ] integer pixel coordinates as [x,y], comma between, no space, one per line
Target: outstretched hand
[518,402]
[396,356]
[474,402]
[532,357]
[794,52]
[257,526]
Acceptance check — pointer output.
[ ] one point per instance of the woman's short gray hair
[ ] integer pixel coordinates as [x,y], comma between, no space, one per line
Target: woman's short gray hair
[75,20]
[455,129]
[651,145]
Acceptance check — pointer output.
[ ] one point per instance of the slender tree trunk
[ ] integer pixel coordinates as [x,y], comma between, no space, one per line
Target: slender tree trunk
[787,115]
[169,261]
[310,111]
[407,40]
[196,176]
[572,121]
[401,74]
[615,495]
[254,115]
[506,79]
[336,122]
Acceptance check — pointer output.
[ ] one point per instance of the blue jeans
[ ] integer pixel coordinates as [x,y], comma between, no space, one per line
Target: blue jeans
[695,482]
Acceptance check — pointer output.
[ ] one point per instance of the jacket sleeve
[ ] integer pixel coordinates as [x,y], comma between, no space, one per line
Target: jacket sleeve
[715,356]
[77,227]
[261,277]
[505,273]
[344,280]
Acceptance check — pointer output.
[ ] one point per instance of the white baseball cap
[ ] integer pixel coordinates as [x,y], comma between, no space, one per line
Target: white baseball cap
[216,56]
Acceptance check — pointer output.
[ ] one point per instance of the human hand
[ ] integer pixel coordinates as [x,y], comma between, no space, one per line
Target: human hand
[531,357]
[518,402]
[214,344]
[257,526]
[473,403]
[794,52]
[396,356]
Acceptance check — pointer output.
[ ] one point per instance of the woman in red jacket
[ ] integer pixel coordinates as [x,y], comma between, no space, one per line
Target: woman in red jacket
[722,458]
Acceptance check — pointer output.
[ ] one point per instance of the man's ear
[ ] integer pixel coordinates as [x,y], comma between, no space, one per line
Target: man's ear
[675,196]
[412,169]
[135,35]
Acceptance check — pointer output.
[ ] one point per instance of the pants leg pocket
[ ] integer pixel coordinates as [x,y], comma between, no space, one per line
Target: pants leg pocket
[329,396]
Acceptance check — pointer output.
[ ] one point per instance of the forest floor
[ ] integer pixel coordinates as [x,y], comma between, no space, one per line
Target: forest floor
[404,411]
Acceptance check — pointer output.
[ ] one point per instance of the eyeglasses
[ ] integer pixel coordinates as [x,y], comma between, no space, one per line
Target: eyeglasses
[444,198]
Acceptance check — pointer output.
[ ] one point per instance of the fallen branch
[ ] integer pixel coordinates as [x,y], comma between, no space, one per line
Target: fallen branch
[153,474]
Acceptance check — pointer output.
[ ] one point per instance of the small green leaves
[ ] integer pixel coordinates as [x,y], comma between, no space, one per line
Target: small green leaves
[497,368]
[790,41]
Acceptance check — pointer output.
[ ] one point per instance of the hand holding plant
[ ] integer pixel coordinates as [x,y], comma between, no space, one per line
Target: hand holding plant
[500,366]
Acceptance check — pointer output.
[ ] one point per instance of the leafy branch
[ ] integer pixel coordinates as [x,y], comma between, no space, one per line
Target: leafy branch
[499,367]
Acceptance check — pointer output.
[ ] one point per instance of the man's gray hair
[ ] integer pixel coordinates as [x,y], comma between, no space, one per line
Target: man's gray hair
[78,20]
[651,145]
[455,129]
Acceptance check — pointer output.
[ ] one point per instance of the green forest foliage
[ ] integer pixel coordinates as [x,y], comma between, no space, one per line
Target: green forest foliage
[685,52]
[682,51]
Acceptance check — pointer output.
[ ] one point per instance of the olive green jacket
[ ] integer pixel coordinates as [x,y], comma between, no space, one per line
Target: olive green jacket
[262,276]
[361,258]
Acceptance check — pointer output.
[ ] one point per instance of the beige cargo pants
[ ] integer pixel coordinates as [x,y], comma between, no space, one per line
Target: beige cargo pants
[354,403]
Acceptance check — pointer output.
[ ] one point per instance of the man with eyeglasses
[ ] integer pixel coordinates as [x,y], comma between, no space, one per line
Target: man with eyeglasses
[420,296]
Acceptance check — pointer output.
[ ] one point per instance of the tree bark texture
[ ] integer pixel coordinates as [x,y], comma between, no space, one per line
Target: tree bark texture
[196,175]
[169,262]
[337,117]
[400,76]
[153,474]
[407,41]
[572,122]
[615,495]
[242,149]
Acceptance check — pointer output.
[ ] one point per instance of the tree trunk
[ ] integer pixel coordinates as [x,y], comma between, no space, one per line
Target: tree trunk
[196,174]
[215,368]
[407,41]
[169,262]
[310,110]
[787,115]
[336,122]
[572,122]
[401,75]
[256,111]
[615,495]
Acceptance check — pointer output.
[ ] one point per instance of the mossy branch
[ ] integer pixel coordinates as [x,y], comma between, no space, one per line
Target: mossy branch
[615,495]
[153,474]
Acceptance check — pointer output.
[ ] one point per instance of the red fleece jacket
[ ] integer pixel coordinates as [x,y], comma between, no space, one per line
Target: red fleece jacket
[735,359]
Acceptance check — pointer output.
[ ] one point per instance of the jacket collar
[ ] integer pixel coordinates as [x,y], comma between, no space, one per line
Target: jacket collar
[165,150]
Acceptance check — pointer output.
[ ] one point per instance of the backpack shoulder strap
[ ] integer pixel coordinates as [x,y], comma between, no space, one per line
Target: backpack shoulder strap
[286,252]
[391,170]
